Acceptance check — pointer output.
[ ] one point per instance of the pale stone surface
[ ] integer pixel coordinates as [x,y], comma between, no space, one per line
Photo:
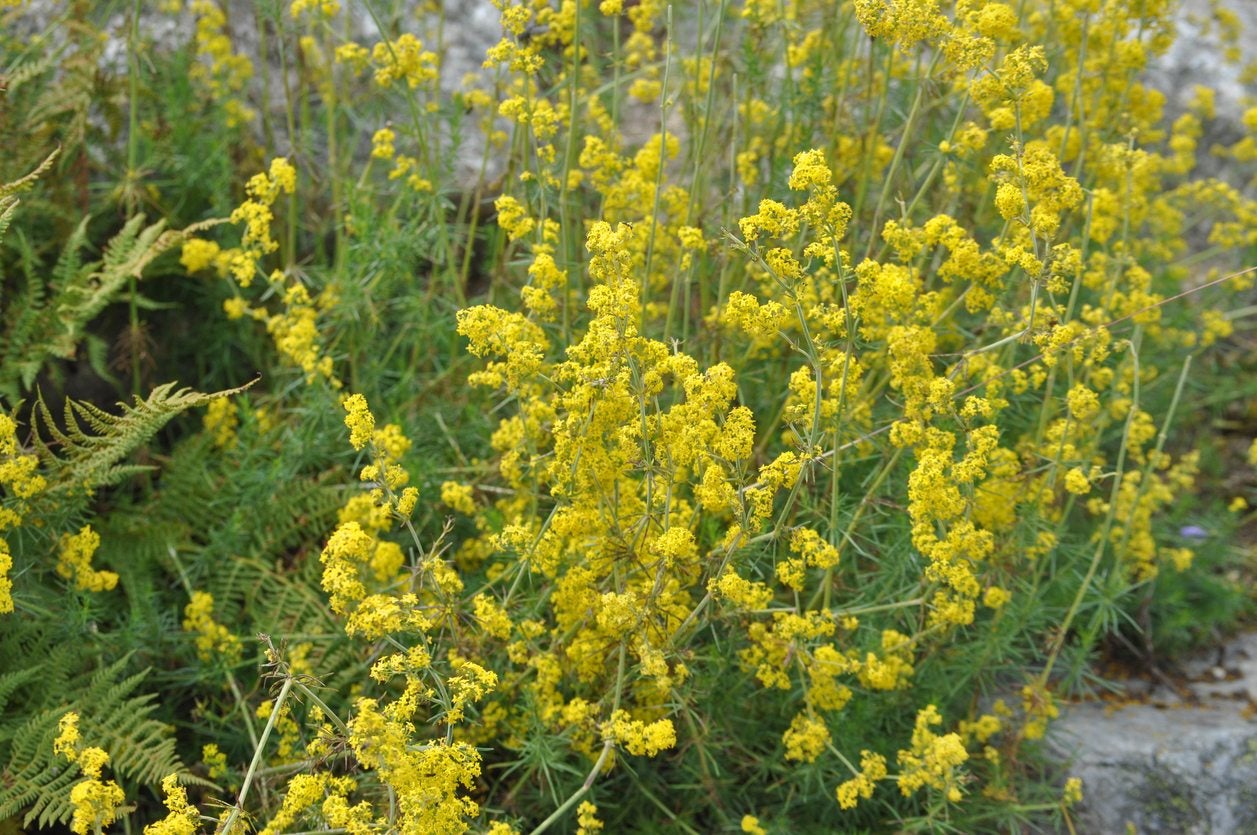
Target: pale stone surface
[471,26]
[1197,58]
[1183,763]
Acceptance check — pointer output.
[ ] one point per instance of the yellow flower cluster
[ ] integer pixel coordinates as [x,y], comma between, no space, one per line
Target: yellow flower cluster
[75,561]
[213,639]
[19,482]
[640,738]
[932,760]
[294,329]
[18,475]
[221,422]
[96,801]
[184,818]
[320,8]
[224,71]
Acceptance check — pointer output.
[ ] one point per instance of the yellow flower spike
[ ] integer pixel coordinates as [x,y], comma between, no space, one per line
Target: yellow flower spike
[6,584]
[74,561]
[587,818]
[359,420]
[67,742]
[214,640]
[215,761]
[183,819]
[1072,794]
[407,502]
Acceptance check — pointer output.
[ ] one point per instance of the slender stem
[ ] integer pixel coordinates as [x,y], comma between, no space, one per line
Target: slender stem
[131,193]
[257,756]
[579,793]
[663,160]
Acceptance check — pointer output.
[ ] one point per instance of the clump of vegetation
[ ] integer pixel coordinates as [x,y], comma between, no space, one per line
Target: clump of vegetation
[731,416]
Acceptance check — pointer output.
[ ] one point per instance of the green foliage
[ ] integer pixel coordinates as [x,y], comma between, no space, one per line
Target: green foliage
[88,452]
[368,271]
[36,782]
[46,319]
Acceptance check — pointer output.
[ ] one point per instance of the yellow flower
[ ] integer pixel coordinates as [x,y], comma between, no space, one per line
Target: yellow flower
[458,497]
[750,825]
[1076,482]
[587,817]
[221,421]
[382,144]
[359,419]
[996,597]
[215,761]
[213,638]
[75,561]
[806,738]
[198,254]
[96,802]
[324,8]
[67,742]
[1073,791]
[640,738]
[184,819]
[6,585]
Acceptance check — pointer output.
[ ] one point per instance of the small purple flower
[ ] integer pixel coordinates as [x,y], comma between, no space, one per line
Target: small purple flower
[1193,532]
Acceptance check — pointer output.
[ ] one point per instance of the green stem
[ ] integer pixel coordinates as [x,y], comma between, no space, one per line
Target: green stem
[257,756]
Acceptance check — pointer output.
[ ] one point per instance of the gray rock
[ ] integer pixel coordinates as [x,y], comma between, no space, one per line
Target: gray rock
[1183,762]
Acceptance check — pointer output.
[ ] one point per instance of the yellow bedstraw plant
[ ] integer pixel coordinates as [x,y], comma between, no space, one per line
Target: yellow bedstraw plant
[968,368]
[831,411]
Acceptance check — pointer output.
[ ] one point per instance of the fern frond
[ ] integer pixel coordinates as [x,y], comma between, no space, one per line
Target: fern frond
[83,297]
[8,191]
[37,331]
[141,749]
[14,681]
[88,453]
[23,183]
[25,72]
[8,206]
[70,263]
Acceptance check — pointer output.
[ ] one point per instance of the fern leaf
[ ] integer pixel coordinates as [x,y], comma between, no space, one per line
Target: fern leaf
[29,70]
[69,264]
[90,450]
[8,206]
[141,749]
[37,331]
[80,301]
[23,183]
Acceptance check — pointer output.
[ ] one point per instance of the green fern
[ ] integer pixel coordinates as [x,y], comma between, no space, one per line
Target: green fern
[22,183]
[89,452]
[36,783]
[9,191]
[53,86]
[47,321]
